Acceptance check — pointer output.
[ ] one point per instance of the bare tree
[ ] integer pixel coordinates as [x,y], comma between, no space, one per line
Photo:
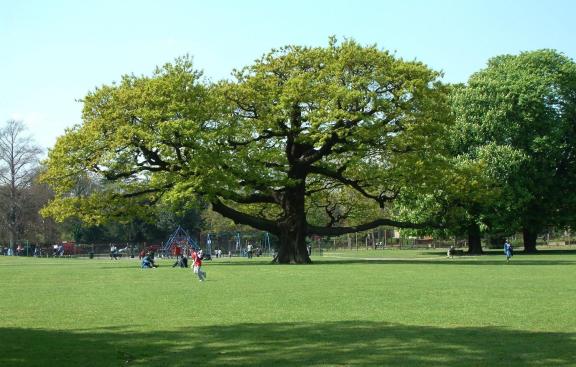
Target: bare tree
[19,157]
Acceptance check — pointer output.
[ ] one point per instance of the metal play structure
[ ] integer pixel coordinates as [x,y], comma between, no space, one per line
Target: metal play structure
[181,238]
[266,243]
[235,242]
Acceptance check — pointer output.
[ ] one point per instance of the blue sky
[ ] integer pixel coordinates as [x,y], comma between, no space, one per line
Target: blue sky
[53,52]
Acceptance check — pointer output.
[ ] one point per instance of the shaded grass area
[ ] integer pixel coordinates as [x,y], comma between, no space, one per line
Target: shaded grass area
[421,309]
[289,344]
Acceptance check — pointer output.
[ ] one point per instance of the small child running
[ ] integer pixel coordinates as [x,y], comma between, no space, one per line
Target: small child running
[197,265]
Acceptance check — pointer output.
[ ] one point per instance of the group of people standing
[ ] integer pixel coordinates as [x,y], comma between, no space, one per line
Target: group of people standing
[250,251]
[8,251]
[34,250]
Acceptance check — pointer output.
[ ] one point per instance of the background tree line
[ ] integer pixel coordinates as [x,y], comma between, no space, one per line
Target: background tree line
[22,197]
[326,141]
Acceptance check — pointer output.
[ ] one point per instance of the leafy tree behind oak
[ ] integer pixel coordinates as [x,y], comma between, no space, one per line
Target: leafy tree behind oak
[304,141]
[526,104]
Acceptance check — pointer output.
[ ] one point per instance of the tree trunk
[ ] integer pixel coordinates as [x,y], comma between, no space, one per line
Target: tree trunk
[529,236]
[11,238]
[292,247]
[293,229]
[12,228]
[474,240]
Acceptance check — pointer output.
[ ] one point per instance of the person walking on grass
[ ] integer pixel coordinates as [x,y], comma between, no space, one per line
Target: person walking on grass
[197,265]
[508,250]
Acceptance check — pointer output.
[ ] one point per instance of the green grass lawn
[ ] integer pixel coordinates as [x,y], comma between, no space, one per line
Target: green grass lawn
[365,308]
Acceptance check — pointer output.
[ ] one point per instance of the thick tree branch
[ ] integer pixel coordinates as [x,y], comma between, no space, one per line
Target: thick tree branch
[144,192]
[315,155]
[355,184]
[152,157]
[245,181]
[255,198]
[243,218]
[330,185]
[337,231]
[267,134]
[333,212]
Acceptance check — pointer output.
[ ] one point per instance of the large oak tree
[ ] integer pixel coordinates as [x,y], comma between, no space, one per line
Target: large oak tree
[304,141]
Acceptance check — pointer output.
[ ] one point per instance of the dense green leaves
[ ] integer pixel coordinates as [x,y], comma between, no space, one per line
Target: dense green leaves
[327,141]
[512,152]
[522,106]
[335,132]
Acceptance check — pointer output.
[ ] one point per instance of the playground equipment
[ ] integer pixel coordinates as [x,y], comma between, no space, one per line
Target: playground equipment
[266,243]
[179,238]
[209,246]
[236,242]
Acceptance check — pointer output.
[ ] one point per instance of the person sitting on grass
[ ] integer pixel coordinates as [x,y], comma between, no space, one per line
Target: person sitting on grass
[182,262]
[148,262]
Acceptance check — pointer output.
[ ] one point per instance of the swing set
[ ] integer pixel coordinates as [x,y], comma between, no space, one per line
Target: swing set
[236,242]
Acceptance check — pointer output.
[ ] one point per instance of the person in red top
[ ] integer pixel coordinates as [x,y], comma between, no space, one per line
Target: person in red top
[197,265]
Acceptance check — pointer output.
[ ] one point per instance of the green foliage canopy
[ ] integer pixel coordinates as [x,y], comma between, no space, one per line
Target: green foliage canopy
[331,134]
[525,104]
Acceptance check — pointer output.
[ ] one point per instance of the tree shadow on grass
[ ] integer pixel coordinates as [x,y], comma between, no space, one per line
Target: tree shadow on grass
[258,262]
[490,257]
[446,262]
[517,252]
[441,259]
[288,344]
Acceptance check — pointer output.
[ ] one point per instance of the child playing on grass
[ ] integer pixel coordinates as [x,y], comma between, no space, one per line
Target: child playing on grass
[197,265]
